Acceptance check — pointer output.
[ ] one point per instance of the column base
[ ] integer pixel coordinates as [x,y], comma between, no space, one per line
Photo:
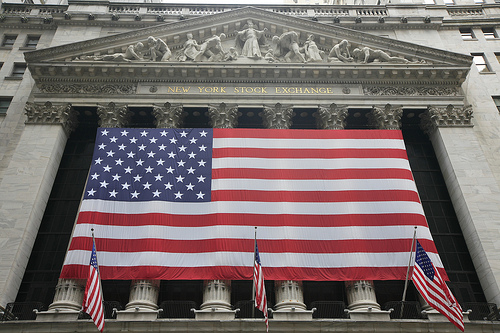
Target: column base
[137,314]
[57,315]
[214,314]
[293,314]
[368,314]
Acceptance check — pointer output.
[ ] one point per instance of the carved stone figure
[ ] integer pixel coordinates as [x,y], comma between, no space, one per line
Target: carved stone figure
[158,49]
[190,49]
[249,41]
[287,46]
[133,52]
[231,55]
[366,55]
[311,50]
[212,49]
[340,52]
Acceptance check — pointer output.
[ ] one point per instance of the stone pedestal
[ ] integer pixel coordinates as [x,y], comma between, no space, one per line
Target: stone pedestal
[216,301]
[362,302]
[143,301]
[290,301]
[67,302]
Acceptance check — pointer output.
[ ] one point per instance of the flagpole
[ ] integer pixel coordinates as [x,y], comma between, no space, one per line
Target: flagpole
[253,274]
[408,272]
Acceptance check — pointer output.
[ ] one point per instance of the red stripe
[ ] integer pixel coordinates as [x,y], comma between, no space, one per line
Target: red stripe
[251,173]
[314,196]
[191,221]
[240,273]
[305,134]
[308,153]
[244,245]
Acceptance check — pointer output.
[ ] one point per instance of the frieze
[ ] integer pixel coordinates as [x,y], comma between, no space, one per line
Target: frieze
[108,89]
[410,91]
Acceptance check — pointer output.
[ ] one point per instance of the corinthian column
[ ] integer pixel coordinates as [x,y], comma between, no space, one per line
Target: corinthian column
[113,115]
[217,293]
[331,116]
[386,117]
[168,115]
[277,116]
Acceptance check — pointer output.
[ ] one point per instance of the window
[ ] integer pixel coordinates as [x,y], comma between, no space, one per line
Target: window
[4,104]
[467,33]
[32,41]
[496,99]
[18,70]
[480,62]
[489,33]
[497,54]
[9,40]
[449,2]
[429,2]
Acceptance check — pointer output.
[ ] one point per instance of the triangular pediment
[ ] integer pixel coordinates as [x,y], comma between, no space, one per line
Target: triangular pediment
[254,44]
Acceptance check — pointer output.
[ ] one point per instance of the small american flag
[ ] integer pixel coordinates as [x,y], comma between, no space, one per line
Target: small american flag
[260,290]
[92,301]
[434,290]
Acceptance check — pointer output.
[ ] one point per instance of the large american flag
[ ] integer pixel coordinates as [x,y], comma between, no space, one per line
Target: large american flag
[434,290]
[92,300]
[183,203]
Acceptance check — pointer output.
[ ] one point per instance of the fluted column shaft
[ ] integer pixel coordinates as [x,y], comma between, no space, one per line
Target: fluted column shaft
[144,295]
[69,295]
[361,295]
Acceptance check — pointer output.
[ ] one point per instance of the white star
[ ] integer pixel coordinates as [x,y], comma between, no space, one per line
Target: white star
[113,194]
[173,141]
[133,140]
[149,169]
[98,161]
[160,162]
[139,162]
[202,148]
[153,140]
[131,155]
[178,195]
[193,140]
[101,146]
[104,184]
[181,163]
[91,192]
[135,194]
[137,178]
[158,178]
[105,132]
[163,133]
[201,163]
[180,179]
[171,154]
[144,133]
[183,134]
[125,186]
[147,186]
[170,170]
[162,147]
[116,177]
[203,134]
[95,176]
[141,147]
[168,186]
[128,169]
[182,148]
[200,195]
[122,147]
[201,179]
[156,194]
[190,187]
[110,153]
[119,161]
[124,133]
[113,139]
[151,154]
[191,170]
[107,168]
[192,155]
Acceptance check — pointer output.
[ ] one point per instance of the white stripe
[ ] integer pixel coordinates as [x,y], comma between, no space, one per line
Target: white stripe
[243,259]
[245,232]
[250,207]
[310,163]
[263,143]
[313,184]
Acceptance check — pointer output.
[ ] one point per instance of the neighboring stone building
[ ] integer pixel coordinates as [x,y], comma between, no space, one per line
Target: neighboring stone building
[428,69]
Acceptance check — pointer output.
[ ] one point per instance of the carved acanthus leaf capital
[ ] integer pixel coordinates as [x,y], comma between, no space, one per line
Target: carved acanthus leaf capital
[277,116]
[386,117]
[331,116]
[223,115]
[168,115]
[447,116]
[113,115]
[50,114]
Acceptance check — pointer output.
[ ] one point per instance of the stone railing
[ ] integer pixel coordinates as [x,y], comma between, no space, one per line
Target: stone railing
[463,11]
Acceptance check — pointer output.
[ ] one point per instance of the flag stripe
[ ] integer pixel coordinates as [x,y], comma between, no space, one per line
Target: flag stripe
[92,301]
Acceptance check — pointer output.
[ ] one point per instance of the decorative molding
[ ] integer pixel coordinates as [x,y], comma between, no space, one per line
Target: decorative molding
[410,91]
[447,116]
[168,115]
[277,116]
[386,117]
[49,114]
[77,88]
[331,116]
[223,115]
[113,115]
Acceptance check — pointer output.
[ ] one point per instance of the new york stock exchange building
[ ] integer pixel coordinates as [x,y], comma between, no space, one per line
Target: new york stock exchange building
[329,135]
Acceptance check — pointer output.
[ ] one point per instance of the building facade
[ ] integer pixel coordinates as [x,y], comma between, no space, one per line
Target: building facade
[428,69]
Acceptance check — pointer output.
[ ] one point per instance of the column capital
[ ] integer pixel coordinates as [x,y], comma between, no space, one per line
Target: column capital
[277,116]
[168,115]
[223,115]
[447,116]
[113,115]
[50,114]
[331,116]
[386,116]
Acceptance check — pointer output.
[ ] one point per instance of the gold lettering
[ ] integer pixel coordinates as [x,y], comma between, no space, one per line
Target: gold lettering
[314,91]
[201,89]
[185,89]
[223,90]
[329,90]
[171,89]
[322,90]
[264,91]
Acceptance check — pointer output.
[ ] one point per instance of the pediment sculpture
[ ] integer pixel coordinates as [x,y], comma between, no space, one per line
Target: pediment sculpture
[251,44]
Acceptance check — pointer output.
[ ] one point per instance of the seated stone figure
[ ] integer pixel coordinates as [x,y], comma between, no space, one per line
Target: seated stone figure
[212,49]
[287,46]
[340,52]
[158,49]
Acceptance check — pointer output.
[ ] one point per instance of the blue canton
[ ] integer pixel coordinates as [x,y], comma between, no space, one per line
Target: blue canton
[131,164]
[423,260]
